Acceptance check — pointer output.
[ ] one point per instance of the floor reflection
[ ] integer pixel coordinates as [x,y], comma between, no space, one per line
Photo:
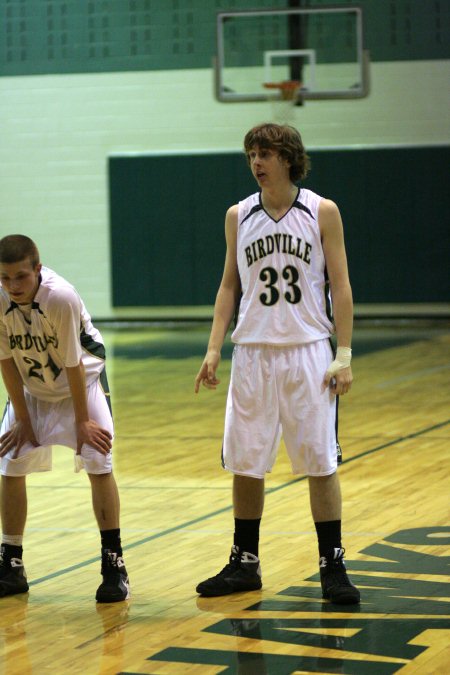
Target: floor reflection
[13,632]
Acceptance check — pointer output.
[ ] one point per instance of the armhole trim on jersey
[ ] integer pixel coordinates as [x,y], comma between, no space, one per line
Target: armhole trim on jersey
[304,208]
[327,295]
[255,209]
[88,343]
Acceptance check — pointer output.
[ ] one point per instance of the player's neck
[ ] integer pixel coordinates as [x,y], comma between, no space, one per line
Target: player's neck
[280,198]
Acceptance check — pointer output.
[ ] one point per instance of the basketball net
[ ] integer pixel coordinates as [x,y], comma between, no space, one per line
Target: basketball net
[284,104]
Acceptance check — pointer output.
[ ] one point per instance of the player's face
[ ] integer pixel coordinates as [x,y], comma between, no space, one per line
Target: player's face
[267,166]
[20,280]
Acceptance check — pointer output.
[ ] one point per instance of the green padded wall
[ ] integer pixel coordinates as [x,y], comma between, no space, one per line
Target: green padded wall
[167,226]
[167,222]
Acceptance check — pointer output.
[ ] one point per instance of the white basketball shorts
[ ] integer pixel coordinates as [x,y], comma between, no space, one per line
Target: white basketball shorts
[277,391]
[54,424]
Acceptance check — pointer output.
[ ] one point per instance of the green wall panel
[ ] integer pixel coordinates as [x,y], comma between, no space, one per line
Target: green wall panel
[167,222]
[71,36]
[167,226]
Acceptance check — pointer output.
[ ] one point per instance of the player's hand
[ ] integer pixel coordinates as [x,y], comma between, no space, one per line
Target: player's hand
[207,373]
[340,383]
[18,435]
[339,376]
[93,434]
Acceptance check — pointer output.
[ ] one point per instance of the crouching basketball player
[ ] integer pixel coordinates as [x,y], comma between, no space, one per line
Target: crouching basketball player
[52,361]
[285,251]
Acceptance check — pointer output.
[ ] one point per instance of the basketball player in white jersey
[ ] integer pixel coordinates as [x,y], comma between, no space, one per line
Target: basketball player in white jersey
[285,252]
[52,362]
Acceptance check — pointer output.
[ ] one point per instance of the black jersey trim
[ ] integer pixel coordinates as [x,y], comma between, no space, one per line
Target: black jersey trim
[336,424]
[105,388]
[5,410]
[90,345]
[12,307]
[302,207]
[236,311]
[327,294]
[295,204]
[35,305]
[255,209]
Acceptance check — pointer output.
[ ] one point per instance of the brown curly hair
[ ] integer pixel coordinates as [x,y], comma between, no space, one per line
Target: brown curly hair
[285,140]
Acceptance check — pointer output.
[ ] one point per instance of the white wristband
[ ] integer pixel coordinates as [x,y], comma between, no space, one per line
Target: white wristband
[342,360]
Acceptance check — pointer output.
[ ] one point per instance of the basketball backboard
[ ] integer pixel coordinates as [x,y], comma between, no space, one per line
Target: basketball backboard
[320,47]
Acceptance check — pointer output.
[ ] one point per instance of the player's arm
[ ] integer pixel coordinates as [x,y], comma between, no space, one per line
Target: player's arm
[88,431]
[332,233]
[22,431]
[225,305]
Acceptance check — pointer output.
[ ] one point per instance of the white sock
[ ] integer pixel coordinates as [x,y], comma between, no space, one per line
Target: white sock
[12,539]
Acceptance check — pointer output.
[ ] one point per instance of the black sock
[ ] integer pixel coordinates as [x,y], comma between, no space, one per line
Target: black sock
[329,536]
[111,541]
[246,535]
[9,551]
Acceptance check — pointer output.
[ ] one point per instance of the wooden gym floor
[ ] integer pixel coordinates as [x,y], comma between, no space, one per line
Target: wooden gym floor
[177,525]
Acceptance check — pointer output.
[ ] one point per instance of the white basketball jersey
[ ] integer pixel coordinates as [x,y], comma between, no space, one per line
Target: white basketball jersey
[285,294]
[52,333]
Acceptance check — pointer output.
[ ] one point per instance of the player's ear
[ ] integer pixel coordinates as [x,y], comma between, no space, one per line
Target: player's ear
[38,268]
